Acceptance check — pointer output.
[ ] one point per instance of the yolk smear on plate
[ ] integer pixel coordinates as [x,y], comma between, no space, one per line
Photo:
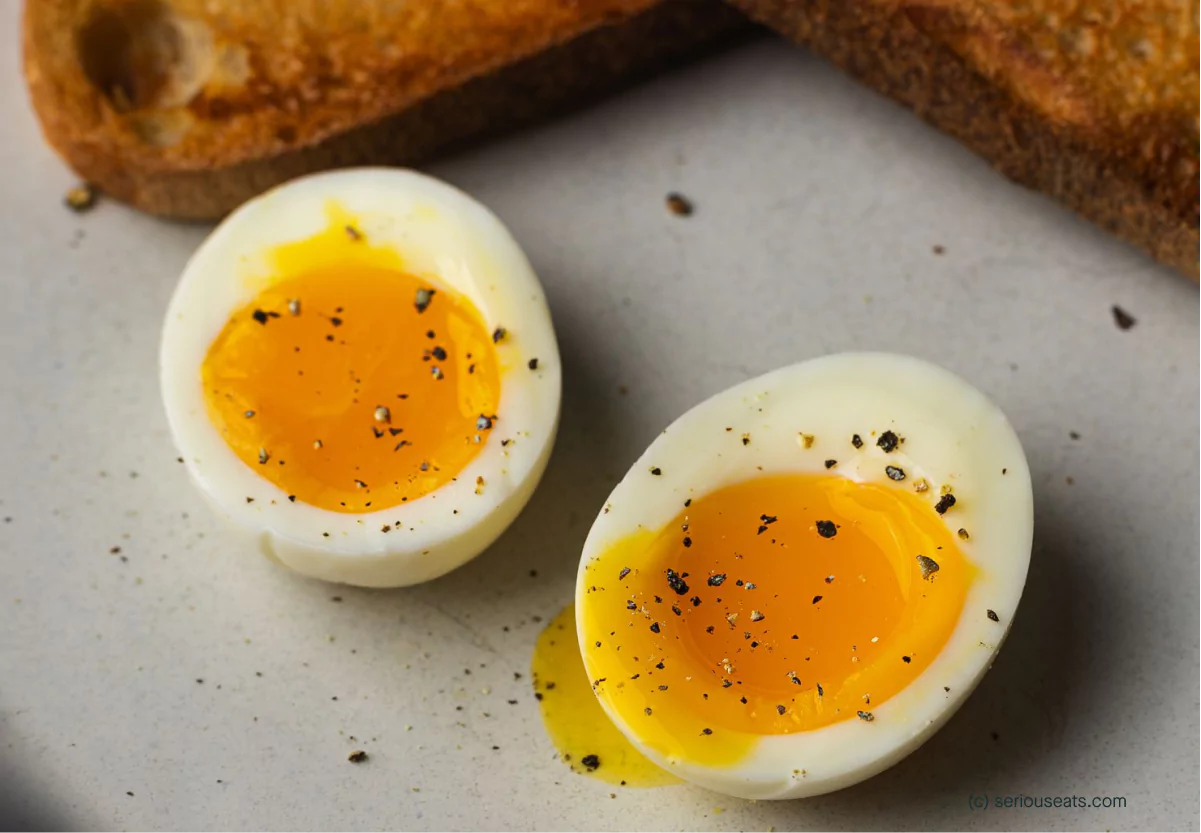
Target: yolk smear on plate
[577,725]
[349,383]
[777,605]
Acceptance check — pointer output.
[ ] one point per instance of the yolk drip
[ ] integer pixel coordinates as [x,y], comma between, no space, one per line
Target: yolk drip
[780,604]
[585,737]
[349,383]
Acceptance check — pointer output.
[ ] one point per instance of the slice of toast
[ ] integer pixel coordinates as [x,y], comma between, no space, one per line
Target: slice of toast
[1094,103]
[186,108]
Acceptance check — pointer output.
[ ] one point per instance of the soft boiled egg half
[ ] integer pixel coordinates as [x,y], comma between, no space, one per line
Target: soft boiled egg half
[359,368]
[804,576]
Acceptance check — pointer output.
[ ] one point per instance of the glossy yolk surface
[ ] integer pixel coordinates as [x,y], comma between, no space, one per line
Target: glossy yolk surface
[746,617]
[586,739]
[350,384]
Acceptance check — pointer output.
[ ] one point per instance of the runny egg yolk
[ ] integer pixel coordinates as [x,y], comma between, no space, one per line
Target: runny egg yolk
[349,383]
[587,740]
[776,605]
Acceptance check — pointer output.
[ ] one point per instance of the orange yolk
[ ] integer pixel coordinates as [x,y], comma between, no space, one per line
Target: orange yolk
[350,384]
[780,604]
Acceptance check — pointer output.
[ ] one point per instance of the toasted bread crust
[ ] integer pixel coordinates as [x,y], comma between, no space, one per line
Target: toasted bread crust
[1111,134]
[211,161]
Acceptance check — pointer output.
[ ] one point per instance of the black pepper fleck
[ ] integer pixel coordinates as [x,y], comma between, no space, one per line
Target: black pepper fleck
[676,583]
[423,298]
[1123,319]
[888,441]
[944,503]
[928,566]
[826,529]
[895,472]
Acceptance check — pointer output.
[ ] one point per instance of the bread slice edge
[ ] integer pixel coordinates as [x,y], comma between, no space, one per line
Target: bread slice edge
[875,42]
[562,77]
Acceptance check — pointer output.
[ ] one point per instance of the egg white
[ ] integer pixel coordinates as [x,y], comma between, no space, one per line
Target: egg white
[953,434]
[439,231]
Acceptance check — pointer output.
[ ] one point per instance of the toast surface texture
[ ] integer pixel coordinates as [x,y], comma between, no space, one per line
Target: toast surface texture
[1094,103]
[187,108]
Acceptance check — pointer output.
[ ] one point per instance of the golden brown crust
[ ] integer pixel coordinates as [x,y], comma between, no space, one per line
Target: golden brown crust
[188,115]
[1097,107]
